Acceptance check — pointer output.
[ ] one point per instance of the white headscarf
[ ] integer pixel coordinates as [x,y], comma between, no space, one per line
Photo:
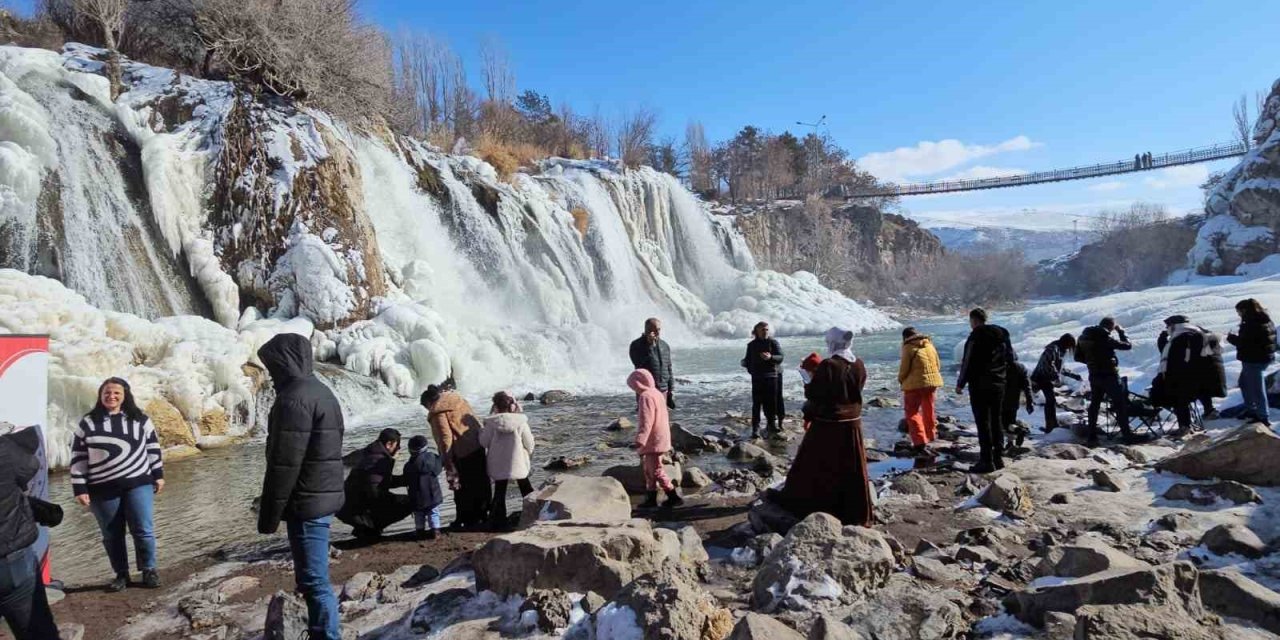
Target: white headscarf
[839,343]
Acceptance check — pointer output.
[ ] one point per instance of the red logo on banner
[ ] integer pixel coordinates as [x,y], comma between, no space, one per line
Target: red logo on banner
[13,348]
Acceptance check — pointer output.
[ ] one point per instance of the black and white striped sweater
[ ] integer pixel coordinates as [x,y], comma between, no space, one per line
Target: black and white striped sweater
[113,454]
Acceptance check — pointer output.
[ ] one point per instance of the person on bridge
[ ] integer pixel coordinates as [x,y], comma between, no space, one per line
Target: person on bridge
[651,353]
[984,369]
[763,361]
[370,506]
[1148,159]
[920,375]
[1137,161]
[1048,374]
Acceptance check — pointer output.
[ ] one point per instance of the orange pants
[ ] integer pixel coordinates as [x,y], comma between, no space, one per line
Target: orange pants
[922,423]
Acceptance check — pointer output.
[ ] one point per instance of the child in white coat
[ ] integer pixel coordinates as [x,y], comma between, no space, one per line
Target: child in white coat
[508,443]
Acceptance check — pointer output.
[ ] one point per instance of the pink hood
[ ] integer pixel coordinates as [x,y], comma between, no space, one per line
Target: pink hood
[653,427]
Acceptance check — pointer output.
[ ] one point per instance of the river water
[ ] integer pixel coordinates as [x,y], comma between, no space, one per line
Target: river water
[206,502]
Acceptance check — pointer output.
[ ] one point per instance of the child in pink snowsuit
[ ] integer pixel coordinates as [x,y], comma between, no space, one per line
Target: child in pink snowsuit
[653,438]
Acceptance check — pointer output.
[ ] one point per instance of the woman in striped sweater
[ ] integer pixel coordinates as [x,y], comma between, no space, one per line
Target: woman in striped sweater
[115,471]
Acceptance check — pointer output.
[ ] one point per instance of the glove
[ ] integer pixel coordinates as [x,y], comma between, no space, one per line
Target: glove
[671,401]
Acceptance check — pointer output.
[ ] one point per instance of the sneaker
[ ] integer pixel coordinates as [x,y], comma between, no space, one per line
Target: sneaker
[433,534]
[120,583]
[151,579]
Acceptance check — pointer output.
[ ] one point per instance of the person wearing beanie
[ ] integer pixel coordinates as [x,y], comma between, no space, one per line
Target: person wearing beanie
[920,375]
[807,368]
[422,472]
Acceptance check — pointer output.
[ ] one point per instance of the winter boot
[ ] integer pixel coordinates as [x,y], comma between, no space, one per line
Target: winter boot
[673,499]
[120,583]
[650,501]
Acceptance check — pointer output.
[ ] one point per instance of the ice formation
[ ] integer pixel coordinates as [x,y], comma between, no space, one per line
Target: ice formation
[540,280]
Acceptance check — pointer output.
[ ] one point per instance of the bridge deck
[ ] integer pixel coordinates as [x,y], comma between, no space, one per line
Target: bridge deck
[1171,159]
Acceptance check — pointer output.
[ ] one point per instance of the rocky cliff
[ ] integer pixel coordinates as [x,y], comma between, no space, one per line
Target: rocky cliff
[862,251]
[1244,207]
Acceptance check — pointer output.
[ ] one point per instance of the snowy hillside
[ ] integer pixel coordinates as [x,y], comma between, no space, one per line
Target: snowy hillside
[186,197]
[1035,244]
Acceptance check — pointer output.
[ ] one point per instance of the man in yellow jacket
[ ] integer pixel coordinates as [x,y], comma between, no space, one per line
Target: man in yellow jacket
[920,374]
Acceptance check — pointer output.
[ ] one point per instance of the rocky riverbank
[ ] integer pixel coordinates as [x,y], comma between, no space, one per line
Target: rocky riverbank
[1161,540]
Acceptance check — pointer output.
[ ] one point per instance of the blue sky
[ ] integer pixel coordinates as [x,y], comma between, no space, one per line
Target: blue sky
[1017,86]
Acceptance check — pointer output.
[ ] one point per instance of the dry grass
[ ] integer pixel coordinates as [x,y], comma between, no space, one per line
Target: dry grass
[508,157]
[581,218]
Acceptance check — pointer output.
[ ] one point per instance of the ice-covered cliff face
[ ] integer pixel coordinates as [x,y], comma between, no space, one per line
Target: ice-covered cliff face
[1244,208]
[187,197]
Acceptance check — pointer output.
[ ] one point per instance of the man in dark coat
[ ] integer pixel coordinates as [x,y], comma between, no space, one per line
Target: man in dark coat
[1097,349]
[984,369]
[1191,369]
[303,482]
[23,603]
[370,506]
[651,353]
[763,361]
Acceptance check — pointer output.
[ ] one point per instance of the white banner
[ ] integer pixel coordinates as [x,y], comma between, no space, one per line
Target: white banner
[24,404]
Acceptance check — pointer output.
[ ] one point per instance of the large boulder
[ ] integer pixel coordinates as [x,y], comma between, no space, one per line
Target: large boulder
[828,628]
[571,556]
[1246,454]
[906,609]
[1170,584]
[1084,557]
[1227,593]
[821,564]
[685,441]
[568,497]
[666,605]
[632,475]
[1137,621]
[1234,538]
[755,626]
[1208,494]
[1008,495]
[914,484]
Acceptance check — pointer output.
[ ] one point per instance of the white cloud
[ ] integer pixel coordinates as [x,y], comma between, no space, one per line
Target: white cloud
[1044,217]
[1110,185]
[1187,175]
[928,158]
[982,172]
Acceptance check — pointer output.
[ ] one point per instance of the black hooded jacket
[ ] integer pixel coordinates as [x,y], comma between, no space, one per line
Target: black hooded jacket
[759,367]
[304,438]
[371,479]
[987,354]
[18,464]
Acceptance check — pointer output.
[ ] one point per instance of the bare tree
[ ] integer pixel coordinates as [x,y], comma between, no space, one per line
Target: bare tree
[1243,124]
[699,153]
[108,17]
[598,134]
[499,79]
[635,136]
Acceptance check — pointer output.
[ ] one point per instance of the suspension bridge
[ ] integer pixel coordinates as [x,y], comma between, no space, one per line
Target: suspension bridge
[1132,165]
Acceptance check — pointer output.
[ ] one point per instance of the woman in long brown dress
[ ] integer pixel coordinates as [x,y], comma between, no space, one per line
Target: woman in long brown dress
[830,470]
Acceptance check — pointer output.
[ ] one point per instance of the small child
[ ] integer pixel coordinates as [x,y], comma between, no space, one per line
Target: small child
[807,367]
[422,472]
[653,439]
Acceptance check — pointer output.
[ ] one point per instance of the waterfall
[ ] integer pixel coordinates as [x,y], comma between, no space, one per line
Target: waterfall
[538,280]
[90,225]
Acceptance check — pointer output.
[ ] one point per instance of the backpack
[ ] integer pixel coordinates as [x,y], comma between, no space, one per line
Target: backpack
[1084,349]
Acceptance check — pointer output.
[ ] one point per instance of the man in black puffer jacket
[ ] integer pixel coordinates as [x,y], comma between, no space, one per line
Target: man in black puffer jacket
[651,353]
[22,596]
[370,506]
[303,482]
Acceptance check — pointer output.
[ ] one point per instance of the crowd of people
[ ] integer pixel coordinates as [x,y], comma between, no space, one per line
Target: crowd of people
[117,467]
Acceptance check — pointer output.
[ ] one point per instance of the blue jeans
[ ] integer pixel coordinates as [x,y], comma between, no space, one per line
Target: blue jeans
[22,598]
[133,507]
[309,541]
[1254,389]
[421,518]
